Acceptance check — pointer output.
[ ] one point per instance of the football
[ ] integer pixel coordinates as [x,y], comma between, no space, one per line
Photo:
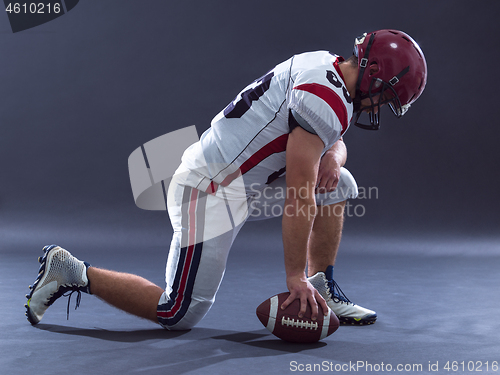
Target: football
[286,325]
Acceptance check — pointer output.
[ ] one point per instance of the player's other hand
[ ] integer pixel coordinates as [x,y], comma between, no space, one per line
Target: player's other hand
[328,175]
[301,289]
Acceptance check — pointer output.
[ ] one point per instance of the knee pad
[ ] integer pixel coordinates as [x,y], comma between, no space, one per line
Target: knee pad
[347,185]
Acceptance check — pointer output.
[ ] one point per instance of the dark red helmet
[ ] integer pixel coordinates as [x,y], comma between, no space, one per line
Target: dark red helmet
[401,75]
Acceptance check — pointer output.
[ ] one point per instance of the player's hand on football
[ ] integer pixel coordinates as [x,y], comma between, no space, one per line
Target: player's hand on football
[300,288]
[328,175]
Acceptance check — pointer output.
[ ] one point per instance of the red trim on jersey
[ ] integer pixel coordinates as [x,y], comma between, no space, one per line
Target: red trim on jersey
[273,147]
[330,97]
[231,177]
[189,257]
[337,67]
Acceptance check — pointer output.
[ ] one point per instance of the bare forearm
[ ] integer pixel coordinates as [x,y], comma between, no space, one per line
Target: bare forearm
[338,153]
[297,224]
[303,154]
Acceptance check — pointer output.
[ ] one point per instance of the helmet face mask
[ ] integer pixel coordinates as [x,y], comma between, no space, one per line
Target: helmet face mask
[386,95]
[399,80]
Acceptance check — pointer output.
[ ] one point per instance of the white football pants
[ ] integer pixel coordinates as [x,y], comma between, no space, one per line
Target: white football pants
[205,226]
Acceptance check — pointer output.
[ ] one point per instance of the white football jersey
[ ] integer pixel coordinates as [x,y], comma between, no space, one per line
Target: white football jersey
[249,136]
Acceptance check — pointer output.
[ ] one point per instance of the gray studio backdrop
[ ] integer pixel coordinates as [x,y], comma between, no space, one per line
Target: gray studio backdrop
[80,93]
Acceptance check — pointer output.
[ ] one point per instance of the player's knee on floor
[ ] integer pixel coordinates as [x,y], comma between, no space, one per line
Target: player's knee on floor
[176,316]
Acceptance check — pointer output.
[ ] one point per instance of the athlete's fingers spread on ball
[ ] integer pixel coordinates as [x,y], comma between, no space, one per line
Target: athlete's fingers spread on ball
[302,290]
[322,303]
[298,288]
[314,307]
[288,301]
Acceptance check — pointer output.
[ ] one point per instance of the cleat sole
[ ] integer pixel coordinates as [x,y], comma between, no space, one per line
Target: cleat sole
[357,321]
[42,260]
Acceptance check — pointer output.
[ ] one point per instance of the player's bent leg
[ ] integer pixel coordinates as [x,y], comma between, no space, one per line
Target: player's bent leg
[194,274]
[324,244]
[61,273]
[197,256]
[325,237]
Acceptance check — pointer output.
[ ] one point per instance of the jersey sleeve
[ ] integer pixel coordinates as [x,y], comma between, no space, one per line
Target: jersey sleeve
[321,104]
[295,120]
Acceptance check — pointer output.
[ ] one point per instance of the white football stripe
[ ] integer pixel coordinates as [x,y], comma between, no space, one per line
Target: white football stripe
[326,325]
[273,310]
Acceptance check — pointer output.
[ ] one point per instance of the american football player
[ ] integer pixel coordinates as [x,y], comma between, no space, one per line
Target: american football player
[276,150]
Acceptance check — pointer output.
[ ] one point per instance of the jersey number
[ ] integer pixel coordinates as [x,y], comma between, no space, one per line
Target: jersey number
[239,107]
[334,80]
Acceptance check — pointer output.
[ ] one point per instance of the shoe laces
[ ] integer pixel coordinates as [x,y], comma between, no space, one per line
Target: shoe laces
[78,299]
[67,291]
[336,293]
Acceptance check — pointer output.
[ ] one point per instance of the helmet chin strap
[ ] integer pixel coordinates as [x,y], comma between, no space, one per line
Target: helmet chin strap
[374,119]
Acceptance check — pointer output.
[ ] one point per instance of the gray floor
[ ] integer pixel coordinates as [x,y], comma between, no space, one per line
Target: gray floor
[437,301]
